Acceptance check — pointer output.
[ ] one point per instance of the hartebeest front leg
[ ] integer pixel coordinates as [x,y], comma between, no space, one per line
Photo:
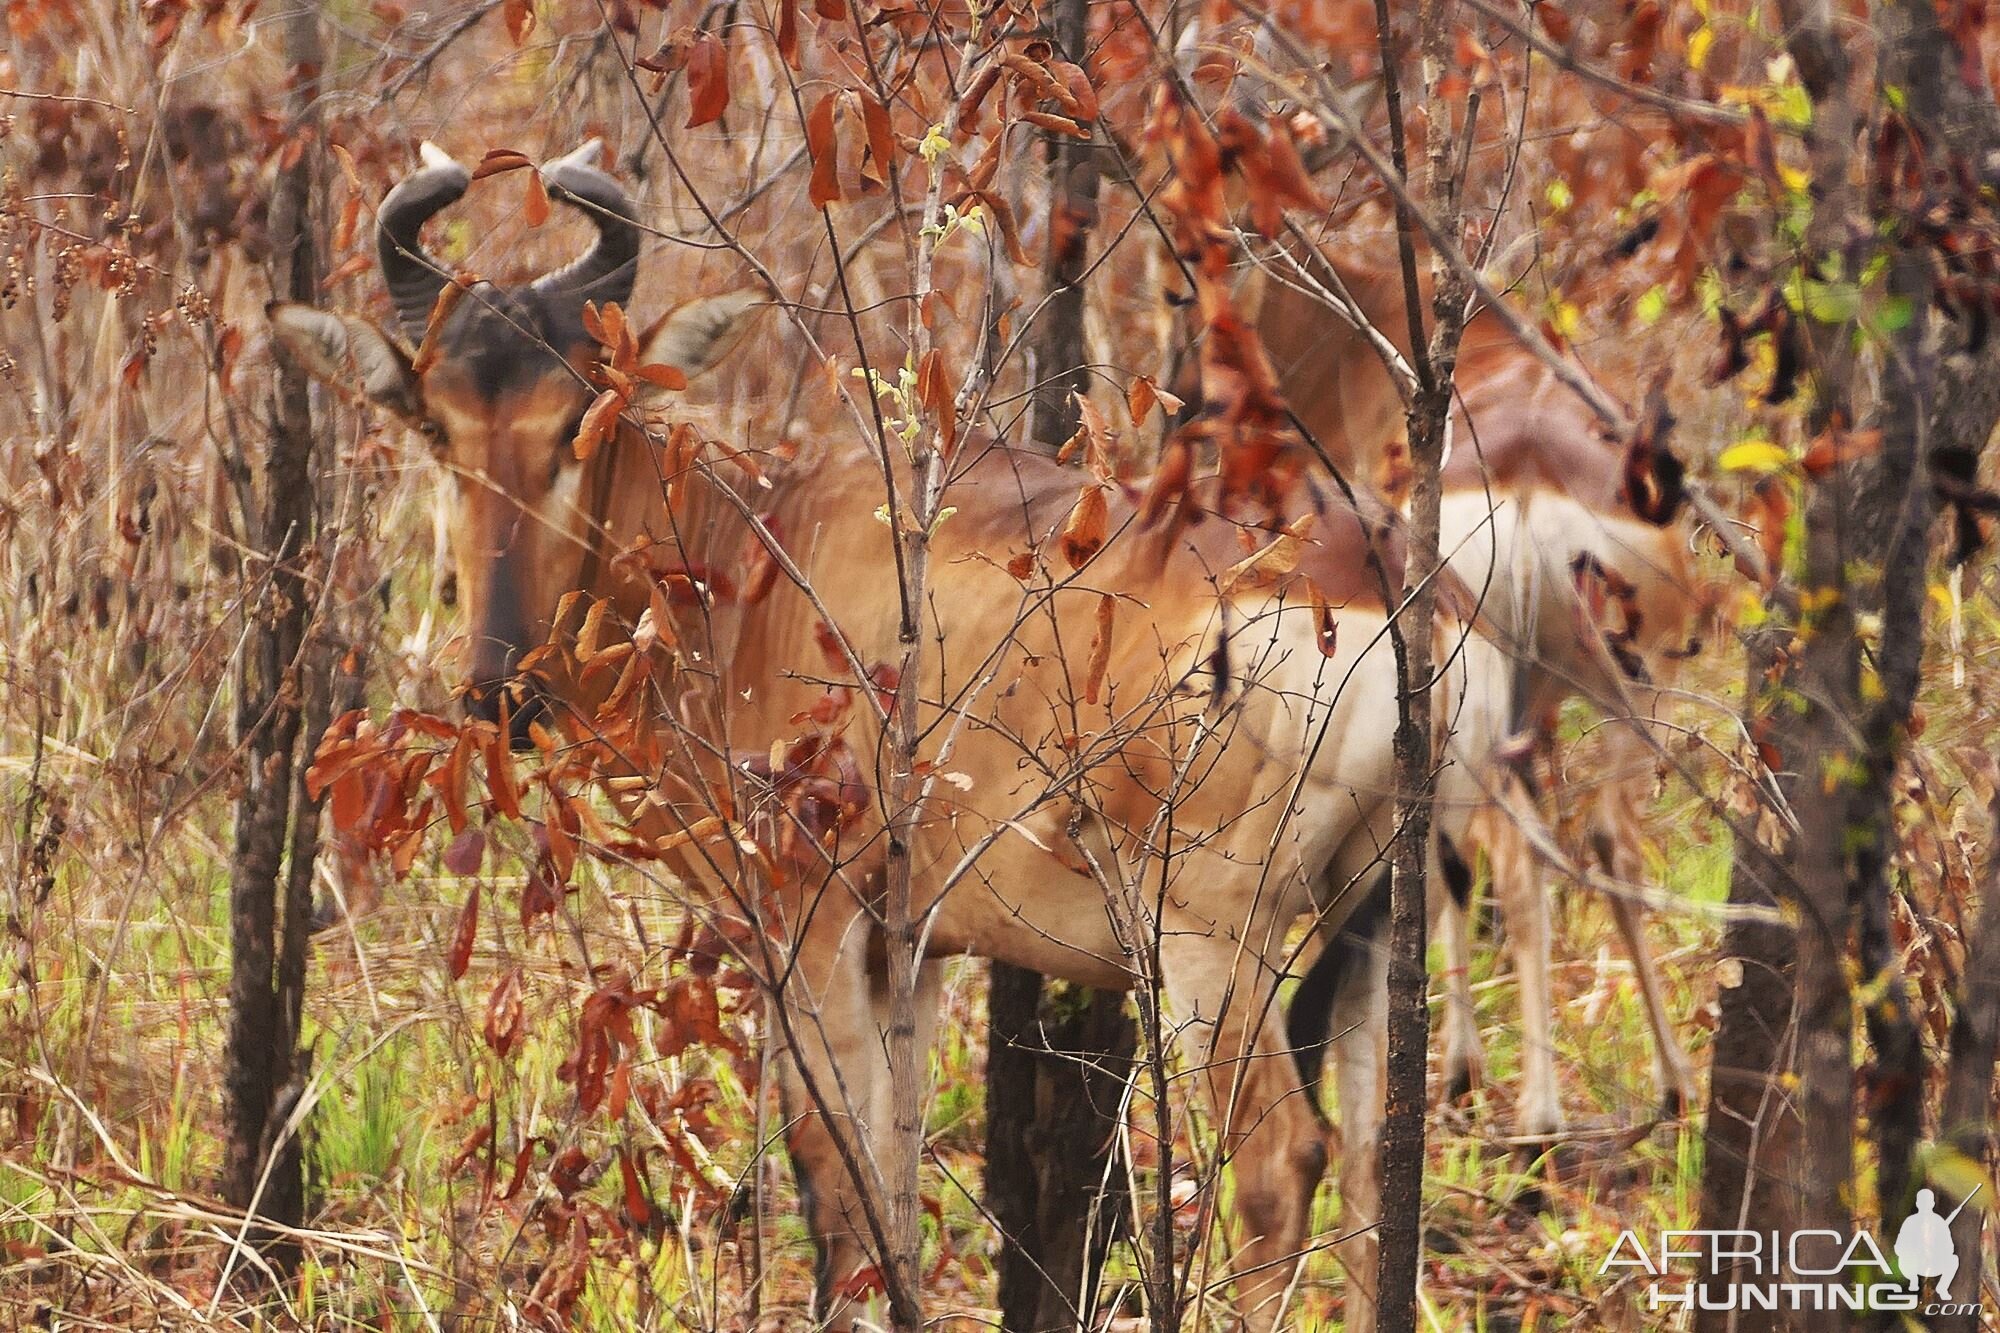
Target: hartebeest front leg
[834,1078]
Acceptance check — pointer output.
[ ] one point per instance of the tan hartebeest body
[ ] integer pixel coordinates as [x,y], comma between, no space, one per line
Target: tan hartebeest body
[1591,600]
[1160,754]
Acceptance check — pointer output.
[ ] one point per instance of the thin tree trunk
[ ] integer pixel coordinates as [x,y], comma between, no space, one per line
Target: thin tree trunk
[1056,1052]
[266,981]
[1868,533]
[1966,1119]
[1405,1098]
[1752,1128]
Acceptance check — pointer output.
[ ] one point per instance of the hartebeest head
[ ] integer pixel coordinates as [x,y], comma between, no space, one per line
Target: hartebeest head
[500,399]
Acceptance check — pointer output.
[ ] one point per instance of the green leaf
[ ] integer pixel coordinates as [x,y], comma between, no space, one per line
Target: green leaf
[1831,302]
[1895,314]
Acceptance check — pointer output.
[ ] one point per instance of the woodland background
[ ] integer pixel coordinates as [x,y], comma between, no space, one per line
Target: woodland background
[1644,169]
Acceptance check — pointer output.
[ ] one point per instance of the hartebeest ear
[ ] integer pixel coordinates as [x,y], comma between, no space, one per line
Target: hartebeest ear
[699,333]
[349,353]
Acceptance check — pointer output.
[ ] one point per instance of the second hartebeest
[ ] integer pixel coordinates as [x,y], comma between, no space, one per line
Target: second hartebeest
[1159,747]
[1592,598]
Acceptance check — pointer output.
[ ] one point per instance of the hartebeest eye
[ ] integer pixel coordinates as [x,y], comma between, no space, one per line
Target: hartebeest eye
[432,431]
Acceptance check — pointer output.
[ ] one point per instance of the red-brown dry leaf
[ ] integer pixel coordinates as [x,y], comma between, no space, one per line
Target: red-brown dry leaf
[707,80]
[862,1282]
[560,829]
[1140,395]
[638,1211]
[975,97]
[522,1161]
[474,1142]
[541,895]
[1076,94]
[500,784]
[350,218]
[570,1171]
[1100,648]
[1003,218]
[228,346]
[467,933]
[450,780]
[1326,630]
[760,570]
[448,298]
[498,160]
[1097,438]
[503,1013]
[621,1090]
[831,650]
[1770,509]
[881,140]
[466,852]
[788,32]
[520,17]
[590,635]
[1833,447]
[351,267]
[1083,533]
[1055,124]
[831,10]
[347,169]
[1475,61]
[1171,480]
[671,378]
[824,147]
[535,207]
[599,421]
[935,393]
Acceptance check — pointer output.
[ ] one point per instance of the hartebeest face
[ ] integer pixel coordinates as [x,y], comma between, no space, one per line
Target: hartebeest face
[500,399]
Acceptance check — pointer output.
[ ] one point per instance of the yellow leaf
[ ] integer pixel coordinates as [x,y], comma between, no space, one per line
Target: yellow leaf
[1698,46]
[1753,456]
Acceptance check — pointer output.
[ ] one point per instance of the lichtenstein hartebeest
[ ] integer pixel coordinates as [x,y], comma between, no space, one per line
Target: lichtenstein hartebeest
[1211,732]
[1591,599]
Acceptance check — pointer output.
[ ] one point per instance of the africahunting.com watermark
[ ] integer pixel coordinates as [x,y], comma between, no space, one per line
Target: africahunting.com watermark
[1773,1270]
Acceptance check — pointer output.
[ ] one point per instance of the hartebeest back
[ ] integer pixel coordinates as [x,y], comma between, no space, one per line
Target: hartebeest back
[1167,747]
[1591,598]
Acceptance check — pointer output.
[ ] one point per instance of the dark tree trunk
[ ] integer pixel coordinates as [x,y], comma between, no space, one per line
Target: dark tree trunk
[1057,1061]
[280,698]
[1075,171]
[1752,1127]
[1435,359]
[1867,544]
[1057,1054]
[1966,1121]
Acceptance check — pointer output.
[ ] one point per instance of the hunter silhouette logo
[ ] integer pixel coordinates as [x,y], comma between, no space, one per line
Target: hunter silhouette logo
[1924,1247]
[1812,1269]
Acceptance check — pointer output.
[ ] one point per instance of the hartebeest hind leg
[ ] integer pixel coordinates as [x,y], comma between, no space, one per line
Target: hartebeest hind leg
[1223,993]
[1616,838]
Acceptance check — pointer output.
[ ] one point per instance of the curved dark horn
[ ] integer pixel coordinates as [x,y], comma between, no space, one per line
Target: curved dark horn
[608,270]
[414,278]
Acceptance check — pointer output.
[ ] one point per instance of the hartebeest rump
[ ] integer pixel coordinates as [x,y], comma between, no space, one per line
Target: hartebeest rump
[1205,712]
[1592,599]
